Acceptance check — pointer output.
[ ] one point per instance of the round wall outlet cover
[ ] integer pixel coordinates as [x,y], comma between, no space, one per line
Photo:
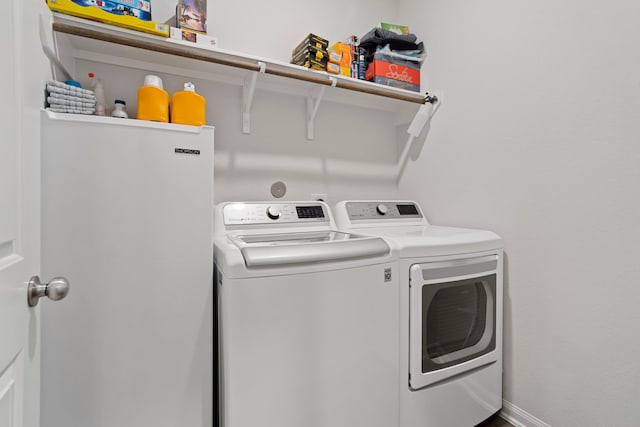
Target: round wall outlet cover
[278,189]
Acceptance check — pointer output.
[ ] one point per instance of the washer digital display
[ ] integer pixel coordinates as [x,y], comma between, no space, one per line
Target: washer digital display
[310,211]
[407,209]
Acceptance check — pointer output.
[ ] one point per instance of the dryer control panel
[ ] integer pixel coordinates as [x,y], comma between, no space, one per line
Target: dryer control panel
[383,209]
[270,213]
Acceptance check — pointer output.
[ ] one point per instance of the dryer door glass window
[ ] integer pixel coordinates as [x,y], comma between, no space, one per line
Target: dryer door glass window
[458,321]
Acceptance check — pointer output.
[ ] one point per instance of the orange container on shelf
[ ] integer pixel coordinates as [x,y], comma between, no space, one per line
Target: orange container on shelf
[153,100]
[188,107]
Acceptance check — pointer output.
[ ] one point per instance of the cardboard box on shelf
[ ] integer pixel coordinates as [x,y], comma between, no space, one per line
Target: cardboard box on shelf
[310,52]
[192,36]
[313,64]
[334,57]
[140,9]
[394,72]
[307,58]
[118,13]
[344,50]
[192,15]
[333,68]
[312,40]
[398,29]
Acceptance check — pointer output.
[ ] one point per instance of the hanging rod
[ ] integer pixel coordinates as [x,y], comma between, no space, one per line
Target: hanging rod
[115,35]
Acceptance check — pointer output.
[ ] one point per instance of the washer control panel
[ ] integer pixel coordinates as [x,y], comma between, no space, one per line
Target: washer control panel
[379,210]
[270,213]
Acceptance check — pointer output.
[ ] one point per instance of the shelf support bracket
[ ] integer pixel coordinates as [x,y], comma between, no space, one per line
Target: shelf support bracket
[313,103]
[45,30]
[248,90]
[422,117]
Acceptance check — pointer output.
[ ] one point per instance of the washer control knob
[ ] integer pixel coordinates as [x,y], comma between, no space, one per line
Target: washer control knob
[273,212]
[382,209]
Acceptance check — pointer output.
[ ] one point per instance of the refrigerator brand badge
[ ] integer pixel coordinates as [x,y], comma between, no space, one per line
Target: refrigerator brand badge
[387,274]
[187,151]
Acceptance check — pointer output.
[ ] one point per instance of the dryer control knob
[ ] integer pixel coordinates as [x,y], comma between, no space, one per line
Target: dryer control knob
[382,209]
[273,212]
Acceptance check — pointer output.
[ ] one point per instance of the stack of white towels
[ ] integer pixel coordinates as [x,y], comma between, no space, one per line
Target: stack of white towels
[64,98]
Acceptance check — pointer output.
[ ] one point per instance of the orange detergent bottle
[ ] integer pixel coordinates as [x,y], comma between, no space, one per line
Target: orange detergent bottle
[153,100]
[188,108]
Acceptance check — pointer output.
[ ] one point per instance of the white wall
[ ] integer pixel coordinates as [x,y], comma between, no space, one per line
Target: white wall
[539,140]
[352,145]
[273,28]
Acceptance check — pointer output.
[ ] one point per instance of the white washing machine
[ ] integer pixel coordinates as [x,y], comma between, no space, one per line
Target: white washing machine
[450,312]
[308,320]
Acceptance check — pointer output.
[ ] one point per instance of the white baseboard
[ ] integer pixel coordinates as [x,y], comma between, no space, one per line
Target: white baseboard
[519,417]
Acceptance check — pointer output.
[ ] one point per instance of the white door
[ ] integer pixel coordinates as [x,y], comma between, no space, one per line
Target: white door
[22,73]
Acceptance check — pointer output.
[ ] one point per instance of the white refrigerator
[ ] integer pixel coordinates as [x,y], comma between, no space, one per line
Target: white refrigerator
[127,218]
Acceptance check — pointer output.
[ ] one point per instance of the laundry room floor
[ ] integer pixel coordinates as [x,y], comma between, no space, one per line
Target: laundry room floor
[495,421]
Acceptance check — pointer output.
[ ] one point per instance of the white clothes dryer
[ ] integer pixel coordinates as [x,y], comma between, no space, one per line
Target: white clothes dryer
[308,319]
[451,287]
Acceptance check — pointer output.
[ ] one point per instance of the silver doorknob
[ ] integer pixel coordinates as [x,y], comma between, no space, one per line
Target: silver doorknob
[56,289]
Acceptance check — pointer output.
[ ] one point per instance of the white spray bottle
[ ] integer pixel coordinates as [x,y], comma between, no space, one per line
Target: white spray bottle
[98,90]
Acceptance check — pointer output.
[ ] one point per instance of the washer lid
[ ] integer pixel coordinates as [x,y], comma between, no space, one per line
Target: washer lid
[278,239]
[279,249]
